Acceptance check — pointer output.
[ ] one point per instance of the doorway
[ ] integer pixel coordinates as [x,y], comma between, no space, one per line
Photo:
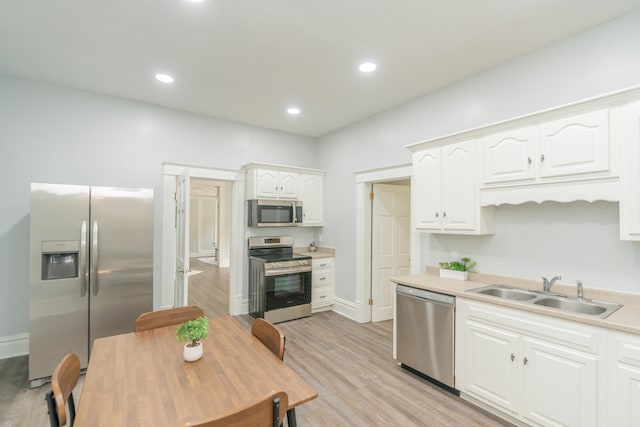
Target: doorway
[390,243]
[209,214]
[378,293]
[228,254]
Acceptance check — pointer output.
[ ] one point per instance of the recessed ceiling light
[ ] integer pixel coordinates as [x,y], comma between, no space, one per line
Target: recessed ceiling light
[293,110]
[164,78]
[367,67]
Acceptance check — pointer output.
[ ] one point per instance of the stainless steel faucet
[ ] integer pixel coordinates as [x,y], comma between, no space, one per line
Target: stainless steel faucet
[579,283]
[547,284]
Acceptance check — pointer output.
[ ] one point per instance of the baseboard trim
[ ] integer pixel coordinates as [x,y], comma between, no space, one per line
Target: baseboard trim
[345,308]
[14,345]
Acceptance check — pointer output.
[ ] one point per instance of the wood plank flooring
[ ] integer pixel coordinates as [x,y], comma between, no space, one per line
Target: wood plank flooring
[348,363]
[209,289]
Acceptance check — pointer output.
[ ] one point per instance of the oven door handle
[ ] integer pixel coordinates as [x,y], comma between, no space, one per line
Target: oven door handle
[283,271]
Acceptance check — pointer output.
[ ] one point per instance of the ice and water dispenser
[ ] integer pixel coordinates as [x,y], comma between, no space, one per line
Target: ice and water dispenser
[60,259]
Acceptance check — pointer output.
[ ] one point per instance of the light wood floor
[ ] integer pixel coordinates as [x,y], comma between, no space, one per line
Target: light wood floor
[348,363]
[209,289]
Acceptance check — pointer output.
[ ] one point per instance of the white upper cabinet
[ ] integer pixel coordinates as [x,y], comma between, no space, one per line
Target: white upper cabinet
[272,184]
[265,181]
[312,199]
[630,173]
[445,191]
[508,156]
[571,148]
[575,145]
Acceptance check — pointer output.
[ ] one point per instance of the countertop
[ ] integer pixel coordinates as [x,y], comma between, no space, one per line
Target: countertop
[321,252]
[625,319]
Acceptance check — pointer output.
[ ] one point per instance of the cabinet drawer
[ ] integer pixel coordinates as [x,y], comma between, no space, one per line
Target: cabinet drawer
[322,263]
[322,296]
[627,348]
[321,278]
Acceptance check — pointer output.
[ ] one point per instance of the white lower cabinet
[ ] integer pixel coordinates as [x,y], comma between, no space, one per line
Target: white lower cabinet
[533,368]
[624,379]
[322,288]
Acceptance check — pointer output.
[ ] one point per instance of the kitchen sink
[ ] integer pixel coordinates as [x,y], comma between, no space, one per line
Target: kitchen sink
[508,293]
[600,309]
[576,306]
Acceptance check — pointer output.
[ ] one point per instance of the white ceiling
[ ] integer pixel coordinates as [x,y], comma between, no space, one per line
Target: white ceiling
[248,60]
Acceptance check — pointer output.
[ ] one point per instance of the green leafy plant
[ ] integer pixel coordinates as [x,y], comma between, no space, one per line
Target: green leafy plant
[193,330]
[465,264]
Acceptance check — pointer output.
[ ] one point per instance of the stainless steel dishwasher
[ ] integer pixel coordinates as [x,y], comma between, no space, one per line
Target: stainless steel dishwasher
[425,334]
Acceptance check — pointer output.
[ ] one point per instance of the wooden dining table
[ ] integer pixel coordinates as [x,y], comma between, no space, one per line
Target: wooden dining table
[141,379]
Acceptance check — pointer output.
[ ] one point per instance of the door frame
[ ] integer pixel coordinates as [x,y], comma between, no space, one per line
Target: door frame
[364,180]
[237,254]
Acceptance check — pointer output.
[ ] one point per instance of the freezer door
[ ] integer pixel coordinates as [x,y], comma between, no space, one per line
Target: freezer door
[121,259]
[58,307]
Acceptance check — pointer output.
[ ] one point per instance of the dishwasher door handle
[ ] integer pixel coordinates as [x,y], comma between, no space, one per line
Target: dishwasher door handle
[426,300]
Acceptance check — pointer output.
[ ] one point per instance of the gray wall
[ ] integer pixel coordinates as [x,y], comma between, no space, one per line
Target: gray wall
[52,134]
[597,61]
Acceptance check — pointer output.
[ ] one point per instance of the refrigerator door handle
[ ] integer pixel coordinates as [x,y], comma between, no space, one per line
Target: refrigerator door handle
[83,259]
[93,277]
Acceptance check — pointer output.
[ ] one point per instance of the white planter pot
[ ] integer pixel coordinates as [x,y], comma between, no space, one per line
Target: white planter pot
[453,274]
[191,354]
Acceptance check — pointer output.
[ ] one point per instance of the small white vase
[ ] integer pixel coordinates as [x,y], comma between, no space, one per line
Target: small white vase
[191,354]
[453,274]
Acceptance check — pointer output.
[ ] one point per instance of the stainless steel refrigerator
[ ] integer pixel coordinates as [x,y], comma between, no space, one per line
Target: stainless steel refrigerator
[91,269]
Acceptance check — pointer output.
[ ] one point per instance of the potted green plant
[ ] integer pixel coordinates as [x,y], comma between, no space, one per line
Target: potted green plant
[192,332]
[457,269]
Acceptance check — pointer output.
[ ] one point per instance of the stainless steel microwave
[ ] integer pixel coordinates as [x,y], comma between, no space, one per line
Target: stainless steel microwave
[274,213]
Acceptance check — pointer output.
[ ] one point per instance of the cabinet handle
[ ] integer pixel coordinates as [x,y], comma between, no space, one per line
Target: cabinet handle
[525,360]
[437,214]
[323,278]
[444,214]
[513,357]
[529,160]
[542,157]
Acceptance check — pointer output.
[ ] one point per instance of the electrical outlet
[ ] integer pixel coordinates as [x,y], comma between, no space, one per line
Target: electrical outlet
[320,238]
[454,256]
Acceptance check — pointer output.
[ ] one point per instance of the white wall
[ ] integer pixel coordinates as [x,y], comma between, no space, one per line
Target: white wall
[53,134]
[597,61]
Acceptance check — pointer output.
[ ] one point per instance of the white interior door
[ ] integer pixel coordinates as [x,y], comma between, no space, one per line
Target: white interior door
[390,245]
[182,238]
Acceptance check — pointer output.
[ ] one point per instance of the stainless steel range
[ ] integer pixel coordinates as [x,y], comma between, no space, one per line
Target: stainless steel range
[279,280]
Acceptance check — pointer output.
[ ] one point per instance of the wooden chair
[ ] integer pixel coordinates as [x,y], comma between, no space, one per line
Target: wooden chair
[270,336]
[64,379]
[171,316]
[266,411]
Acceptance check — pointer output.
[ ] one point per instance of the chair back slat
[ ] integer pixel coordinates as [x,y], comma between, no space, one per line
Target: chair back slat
[64,379]
[168,317]
[266,411]
[270,336]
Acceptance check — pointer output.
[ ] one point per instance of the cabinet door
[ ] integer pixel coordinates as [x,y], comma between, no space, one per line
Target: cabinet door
[289,185]
[630,177]
[559,384]
[575,145]
[312,199]
[491,368]
[508,156]
[267,183]
[458,197]
[426,189]
[624,373]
